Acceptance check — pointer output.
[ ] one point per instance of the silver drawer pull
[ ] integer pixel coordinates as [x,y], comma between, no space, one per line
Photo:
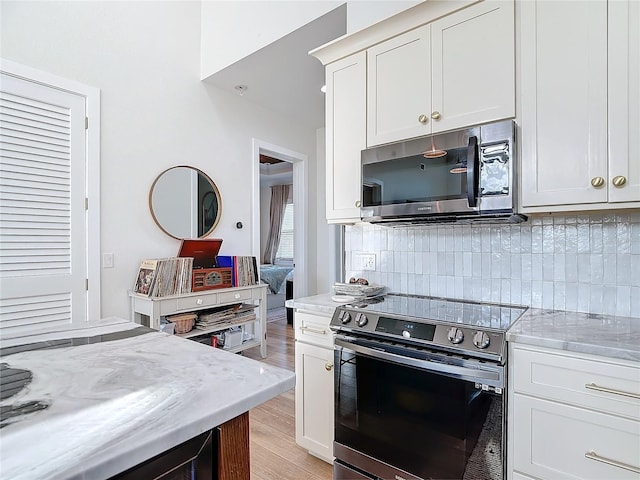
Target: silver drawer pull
[593,386]
[314,330]
[594,456]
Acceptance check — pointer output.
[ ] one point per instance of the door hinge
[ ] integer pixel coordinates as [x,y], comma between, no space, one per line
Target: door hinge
[86,123]
[86,203]
[86,284]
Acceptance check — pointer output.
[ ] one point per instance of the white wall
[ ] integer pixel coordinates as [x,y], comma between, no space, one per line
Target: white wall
[329,248]
[364,13]
[244,27]
[156,113]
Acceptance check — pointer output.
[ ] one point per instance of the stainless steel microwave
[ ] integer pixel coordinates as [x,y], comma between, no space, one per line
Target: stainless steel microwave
[464,175]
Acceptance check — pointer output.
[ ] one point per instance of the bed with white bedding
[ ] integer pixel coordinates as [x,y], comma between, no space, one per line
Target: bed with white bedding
[275,276]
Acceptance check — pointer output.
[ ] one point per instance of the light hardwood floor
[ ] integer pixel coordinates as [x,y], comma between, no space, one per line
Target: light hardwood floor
[274,452]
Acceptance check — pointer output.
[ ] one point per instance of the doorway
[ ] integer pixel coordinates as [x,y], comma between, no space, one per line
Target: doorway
[299,186]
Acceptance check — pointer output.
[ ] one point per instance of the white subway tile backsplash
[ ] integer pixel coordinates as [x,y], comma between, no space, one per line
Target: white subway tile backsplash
[623,270]
[571,239]
[610,269]
[597,269]
[583,237]
[547,267]
[623,301]
[634,234]
[635,301]
[623,238]
[584,263]
[634,271]
[609,238]
[595,238]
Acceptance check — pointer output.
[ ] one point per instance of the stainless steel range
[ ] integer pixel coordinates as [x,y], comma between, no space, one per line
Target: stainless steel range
[420,385]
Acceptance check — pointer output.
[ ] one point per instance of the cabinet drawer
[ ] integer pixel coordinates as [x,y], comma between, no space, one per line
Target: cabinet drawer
[312,328]
[197,302]
[604,385]
[230,297]
[553,440]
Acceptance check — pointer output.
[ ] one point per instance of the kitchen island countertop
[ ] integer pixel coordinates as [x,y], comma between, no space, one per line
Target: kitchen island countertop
[115,394]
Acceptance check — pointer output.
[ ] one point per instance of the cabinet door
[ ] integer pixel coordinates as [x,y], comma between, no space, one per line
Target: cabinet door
[564,102]
[473,66]
[399,87]
[624,100]
[559,441]
[314,399]
[346,136]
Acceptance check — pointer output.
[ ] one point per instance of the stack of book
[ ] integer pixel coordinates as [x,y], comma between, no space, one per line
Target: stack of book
[245,269]
[161,277]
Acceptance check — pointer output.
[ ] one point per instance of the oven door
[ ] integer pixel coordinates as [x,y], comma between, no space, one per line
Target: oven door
[400,416]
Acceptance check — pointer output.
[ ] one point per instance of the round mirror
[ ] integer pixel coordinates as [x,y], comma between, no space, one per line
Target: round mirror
[185,203]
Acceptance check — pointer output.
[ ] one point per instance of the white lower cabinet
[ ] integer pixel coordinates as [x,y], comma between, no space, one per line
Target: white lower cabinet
[572,416]
[314,384]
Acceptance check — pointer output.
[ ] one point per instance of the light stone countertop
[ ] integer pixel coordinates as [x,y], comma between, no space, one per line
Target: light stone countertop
[316,303]
[117,403]
[603,335]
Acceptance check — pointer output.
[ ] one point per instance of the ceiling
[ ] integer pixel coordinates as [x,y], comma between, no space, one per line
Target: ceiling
[282,76]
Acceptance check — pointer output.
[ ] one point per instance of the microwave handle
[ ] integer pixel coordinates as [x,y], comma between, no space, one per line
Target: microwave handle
[473,172]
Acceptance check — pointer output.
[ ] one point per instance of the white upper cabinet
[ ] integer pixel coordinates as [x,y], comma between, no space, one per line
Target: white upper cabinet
[579,105]
[454,72]
[345,135]
[473,66]
[624,101]
[399,87]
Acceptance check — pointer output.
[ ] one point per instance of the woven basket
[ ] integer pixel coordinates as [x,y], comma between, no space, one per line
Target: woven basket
[183,322]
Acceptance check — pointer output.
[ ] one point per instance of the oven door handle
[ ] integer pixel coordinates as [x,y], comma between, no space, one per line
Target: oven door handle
[482,374]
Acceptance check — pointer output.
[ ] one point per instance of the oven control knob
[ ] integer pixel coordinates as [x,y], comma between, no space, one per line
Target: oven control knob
[481,340]
[455,335]
[344,317]
[362,320]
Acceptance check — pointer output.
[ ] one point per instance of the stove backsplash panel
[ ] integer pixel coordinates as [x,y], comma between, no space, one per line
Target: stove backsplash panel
[580,263]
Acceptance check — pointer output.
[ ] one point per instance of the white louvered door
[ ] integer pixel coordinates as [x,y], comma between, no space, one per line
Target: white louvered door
[43,234]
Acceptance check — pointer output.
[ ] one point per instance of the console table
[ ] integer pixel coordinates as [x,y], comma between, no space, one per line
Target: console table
[148,310]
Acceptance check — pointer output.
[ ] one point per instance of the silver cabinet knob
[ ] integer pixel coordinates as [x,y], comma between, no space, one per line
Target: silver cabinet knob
[328,366]
[619,181]
[597,182]
[435,115]
[358,203]
[423,119]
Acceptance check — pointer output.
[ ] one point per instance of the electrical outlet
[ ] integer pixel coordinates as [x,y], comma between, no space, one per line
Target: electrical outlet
[368,261]
[107,260]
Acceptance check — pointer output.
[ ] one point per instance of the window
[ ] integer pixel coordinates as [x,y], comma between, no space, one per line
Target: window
[285,249]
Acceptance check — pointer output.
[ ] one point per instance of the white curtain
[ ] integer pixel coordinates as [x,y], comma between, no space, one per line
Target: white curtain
[279,197]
